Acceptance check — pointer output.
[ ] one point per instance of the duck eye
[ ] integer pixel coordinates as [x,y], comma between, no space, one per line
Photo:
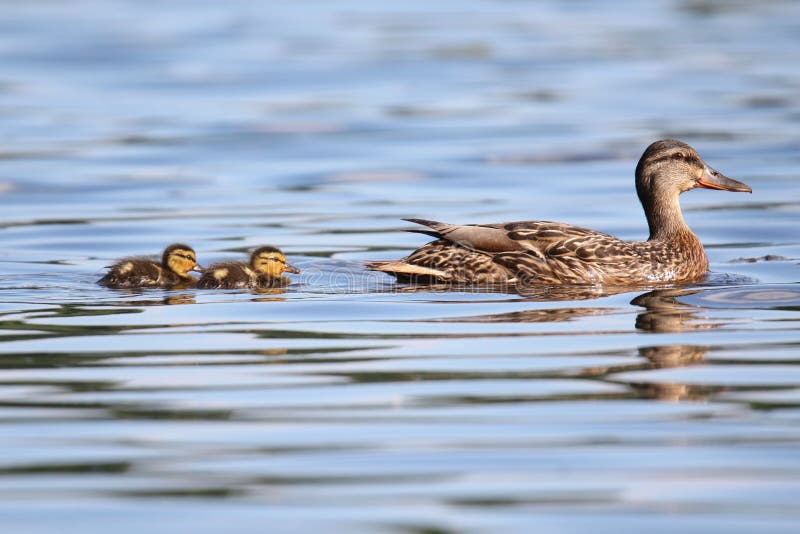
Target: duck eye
[680,155]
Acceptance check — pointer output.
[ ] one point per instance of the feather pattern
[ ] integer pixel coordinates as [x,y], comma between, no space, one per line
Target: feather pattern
[176,261]
[262,272]
[139,272]
[237,275]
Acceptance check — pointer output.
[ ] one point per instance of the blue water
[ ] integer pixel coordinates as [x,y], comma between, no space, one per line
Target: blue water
[348,403]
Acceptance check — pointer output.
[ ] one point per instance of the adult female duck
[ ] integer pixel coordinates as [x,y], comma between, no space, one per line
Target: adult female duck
[551,253]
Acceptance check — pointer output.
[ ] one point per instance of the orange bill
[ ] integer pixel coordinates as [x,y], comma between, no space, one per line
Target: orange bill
[712,179]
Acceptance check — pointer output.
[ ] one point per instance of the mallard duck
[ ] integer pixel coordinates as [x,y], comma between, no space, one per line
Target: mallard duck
[552,253]
[263,271]
[176,262]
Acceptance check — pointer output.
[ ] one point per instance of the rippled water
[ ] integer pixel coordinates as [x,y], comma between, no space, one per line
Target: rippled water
[347,403]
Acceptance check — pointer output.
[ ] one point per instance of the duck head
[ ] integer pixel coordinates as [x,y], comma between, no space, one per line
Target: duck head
[271,262]
[180,259]
[668,168]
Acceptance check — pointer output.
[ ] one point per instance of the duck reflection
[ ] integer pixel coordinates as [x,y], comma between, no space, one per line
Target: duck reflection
[666,356]
[547,315]
[663,312]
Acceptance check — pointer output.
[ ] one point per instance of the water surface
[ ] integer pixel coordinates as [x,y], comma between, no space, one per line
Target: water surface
[347,403]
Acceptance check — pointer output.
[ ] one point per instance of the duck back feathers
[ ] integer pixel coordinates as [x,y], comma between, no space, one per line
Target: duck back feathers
[237,275]
[139,272]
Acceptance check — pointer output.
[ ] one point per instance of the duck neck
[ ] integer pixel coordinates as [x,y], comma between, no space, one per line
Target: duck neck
[665,219]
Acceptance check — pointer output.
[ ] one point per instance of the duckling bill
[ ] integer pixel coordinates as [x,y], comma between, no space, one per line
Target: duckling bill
[263,271]
[173,270]
[552,253]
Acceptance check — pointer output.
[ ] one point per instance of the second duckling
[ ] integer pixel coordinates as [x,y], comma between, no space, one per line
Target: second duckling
[264,271]
[173,271]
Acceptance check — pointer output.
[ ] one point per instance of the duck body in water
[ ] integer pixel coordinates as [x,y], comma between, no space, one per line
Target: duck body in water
[552,253]
[263,271]
[173,270]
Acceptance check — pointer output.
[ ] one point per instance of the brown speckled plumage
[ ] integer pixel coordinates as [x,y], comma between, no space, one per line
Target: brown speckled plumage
[552,253]
[262,272]
[176,260]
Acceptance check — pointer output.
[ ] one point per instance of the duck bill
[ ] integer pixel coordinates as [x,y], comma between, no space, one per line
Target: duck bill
[712,179]
[198,269]
[289,268]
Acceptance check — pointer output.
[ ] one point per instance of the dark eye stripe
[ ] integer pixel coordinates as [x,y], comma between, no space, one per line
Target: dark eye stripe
[687,159]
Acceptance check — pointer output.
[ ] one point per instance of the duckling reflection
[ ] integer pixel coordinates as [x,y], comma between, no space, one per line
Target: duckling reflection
[169,300]
[184,298]
[263,293]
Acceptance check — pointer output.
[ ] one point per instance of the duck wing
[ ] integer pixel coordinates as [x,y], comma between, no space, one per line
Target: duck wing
[483,238]
[226,275]
[543,238]
[557,253]
[534,251]
[554,240]
[133,272]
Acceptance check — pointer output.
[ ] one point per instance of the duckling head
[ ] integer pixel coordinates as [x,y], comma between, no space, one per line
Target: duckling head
[668,168]
[180,259]
[271,262]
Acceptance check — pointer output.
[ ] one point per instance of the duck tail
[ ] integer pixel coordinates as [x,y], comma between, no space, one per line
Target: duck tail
[436,227]
[398,267]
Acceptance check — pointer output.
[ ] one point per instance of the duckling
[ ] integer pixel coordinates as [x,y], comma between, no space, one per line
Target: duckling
[263,271]
[550,253]
[176,262]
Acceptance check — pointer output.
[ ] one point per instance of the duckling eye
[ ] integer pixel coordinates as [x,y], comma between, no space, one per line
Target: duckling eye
[680,155]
